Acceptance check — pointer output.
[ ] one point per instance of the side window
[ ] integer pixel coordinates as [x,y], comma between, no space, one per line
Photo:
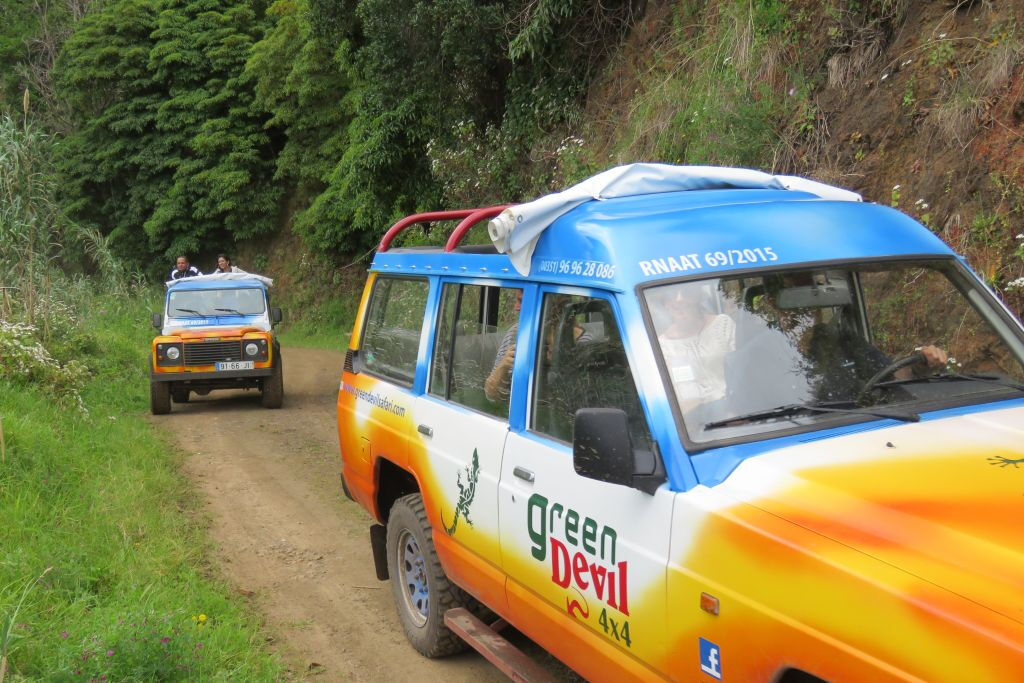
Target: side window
[582,364]
[475,347]
[439,368]
[391,337]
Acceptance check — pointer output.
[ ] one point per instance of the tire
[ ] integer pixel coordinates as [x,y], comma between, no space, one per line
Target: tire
[179,395]
[159,397]
[421,590]
[272,391]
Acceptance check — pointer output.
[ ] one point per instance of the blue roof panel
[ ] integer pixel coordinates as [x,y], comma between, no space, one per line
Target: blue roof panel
[622,242]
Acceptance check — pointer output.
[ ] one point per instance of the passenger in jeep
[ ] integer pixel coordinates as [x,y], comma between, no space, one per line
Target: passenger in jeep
[498,385]
[182,269]
[695,345]
[224,265]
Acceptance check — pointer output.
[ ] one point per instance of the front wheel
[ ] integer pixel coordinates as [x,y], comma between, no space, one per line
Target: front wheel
[272,395]
[421,590]
[159,397]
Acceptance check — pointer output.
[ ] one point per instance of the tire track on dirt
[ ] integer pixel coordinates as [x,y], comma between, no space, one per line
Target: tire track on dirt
[286,535]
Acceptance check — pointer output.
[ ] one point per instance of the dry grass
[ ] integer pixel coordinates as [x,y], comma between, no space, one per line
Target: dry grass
[961,112]
[844,68]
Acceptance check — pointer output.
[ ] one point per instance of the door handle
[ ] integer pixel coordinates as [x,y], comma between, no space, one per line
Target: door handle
[523,473]
[425,430]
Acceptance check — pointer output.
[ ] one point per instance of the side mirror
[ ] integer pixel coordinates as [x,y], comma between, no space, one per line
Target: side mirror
[602,450]
[275,315]
[158,320]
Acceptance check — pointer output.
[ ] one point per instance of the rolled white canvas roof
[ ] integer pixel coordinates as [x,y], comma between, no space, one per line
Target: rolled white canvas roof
[515,230]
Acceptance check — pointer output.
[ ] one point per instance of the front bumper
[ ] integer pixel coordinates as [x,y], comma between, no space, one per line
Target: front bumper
[204,376]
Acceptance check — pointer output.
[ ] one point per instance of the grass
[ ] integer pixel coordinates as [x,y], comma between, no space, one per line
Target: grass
[97,504]
[322,325]
[716,90]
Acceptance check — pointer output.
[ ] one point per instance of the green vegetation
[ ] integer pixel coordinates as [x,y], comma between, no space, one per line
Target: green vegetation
[102,571]
[167,138]
[325,326]
[96,502]
[194,126]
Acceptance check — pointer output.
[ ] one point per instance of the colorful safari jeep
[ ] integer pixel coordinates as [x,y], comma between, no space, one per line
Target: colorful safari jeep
[695,424]
[216,332]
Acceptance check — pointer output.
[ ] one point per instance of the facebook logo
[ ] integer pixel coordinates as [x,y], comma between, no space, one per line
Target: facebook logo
[710,659]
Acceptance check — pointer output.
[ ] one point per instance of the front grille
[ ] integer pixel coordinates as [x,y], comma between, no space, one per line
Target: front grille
[210,352]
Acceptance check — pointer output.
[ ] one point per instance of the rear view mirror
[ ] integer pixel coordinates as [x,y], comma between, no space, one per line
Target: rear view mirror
[158,320]
[835,293]
[275,314]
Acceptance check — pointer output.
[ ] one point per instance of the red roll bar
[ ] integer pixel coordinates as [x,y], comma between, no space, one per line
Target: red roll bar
[469,221]
[468,217]
[401,225]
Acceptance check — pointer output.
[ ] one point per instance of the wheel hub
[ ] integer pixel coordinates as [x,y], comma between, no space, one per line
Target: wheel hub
[413,575]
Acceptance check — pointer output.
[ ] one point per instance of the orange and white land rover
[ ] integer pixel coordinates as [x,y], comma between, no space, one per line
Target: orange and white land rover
[696,424]
[216,332]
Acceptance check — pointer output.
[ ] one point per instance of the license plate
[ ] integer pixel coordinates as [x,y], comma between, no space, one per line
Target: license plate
[235,365]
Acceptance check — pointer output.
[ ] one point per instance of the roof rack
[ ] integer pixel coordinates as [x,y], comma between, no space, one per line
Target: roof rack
[467,219]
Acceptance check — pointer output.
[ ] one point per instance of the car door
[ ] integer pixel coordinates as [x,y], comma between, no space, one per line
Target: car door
[376,392]
[586,560]
[462,424]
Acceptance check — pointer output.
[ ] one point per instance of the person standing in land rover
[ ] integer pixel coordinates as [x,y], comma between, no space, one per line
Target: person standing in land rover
[224,265]
[182,269]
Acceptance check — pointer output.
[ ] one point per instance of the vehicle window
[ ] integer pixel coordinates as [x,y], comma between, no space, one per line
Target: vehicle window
[215,302]
[475,347]
[582,364]
[933,309]
[391,338]
[831,338]
[443,341]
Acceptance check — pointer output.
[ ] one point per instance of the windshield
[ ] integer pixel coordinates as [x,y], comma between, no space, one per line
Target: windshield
[209,303]
[755,354]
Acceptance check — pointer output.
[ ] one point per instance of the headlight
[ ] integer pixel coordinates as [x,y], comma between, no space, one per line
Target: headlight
[251,349]
[168,354]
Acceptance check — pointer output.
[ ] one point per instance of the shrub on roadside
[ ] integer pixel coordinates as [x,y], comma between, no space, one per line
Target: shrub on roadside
[24,360]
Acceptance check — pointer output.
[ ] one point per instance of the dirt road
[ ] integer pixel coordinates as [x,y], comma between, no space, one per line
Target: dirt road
[288,537]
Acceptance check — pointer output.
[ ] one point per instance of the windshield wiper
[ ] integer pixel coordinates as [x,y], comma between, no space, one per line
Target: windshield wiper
[948,376]
[797,408]
[192,311]
[230,310]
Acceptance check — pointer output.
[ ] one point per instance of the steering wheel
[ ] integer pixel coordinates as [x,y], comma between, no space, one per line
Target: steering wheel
[916,358]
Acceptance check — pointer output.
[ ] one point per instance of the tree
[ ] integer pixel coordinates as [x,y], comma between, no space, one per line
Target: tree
[114,162]
[416,79]
[301,83]
[169,154]
[215,140]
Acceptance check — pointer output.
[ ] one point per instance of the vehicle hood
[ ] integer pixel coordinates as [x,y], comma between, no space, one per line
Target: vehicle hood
[942,499]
